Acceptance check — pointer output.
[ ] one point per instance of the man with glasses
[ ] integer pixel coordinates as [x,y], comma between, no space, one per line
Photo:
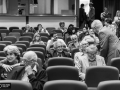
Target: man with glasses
[91,58]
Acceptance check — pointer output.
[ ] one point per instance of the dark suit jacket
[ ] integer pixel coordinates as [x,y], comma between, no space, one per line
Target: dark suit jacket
[82,15]
[37,81]
[92,14]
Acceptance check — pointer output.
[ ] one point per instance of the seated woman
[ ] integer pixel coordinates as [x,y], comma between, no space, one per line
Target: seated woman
[71,30]
[88,60]
[74,43]
[12,59]
[91,38]
[41,29]
[31,72]
[59,50]
[62,27]
[37,40]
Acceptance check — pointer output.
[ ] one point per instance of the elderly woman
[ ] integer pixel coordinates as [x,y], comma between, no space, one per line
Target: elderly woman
[37,40]
[12,59]
[74,43]
[90,59]
[62,27]
[31,71]
[59,50]
[109,42]
[28,29]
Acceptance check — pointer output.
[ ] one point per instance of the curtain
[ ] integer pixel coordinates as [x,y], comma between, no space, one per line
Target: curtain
[112,5]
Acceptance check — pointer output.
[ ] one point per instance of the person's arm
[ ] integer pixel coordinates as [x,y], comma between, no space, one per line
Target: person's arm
[38,81]
[79,66]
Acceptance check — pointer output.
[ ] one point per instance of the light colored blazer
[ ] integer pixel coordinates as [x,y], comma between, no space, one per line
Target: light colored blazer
[82,64]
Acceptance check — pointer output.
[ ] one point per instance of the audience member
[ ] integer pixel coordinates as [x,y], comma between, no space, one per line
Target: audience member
[74,43]
[109,42]
[28,29]
[62,27]
[37,40]
[71,30]
[12,59]
[90,59]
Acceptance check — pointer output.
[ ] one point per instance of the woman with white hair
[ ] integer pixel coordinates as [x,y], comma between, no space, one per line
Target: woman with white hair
[31,72]
[109,42]
[90,59]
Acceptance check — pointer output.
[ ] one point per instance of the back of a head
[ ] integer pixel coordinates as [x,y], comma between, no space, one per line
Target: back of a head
[97,24]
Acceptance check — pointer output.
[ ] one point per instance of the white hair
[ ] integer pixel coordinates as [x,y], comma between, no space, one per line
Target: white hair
[30,55]
[57,42]
[73,36]
[97,24]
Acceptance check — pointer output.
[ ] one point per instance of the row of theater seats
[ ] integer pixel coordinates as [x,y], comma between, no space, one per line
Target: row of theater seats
[58,85]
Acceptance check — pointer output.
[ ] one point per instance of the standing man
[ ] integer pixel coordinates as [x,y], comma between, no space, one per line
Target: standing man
[105,15]
[91,14]
[82,16]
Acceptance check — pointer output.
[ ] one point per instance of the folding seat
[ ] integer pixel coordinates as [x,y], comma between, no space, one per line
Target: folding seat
[109,85]
[44,34]
[67,40]
[39,61]
[62,73]
[50,29]
[59,33]
[65,85]
[44,39]
[55,61]
[18,30]
[96,74]
[25,38]
[2,54]
[4,32]
[36,49]
[28,34]
[74,51]
[11,28]
[15,85]
[16,34]
[23,46]
[13,39]
[2,46]
[115,62]
[21,51]
[38,45]
[2,58]
[3,27]
[6,42]
[23,42]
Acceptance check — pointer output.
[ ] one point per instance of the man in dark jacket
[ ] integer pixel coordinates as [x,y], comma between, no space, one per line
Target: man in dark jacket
[82,16]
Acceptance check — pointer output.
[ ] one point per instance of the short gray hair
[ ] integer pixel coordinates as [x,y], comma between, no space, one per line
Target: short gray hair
[56,43]
[30,55]
[96,24]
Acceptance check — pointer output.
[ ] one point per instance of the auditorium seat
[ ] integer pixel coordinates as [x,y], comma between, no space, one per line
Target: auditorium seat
[2,46]
[65,85]
[18,30]
[16,34]
[75,50]
[6,42]
[55,61]
[62,73]
[37,49]
[44,34]
[25,38]
[23,46]
[44,39]
[11,28]
[2,58]
[28,34]
[15,85]
[109,85]
[3,27]
[2,54]
[38,45]
[4,31]
[13,39]
[50,29]
[96,74]
[23,42]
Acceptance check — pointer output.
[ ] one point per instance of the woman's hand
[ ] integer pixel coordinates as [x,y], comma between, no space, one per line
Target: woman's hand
[8,68]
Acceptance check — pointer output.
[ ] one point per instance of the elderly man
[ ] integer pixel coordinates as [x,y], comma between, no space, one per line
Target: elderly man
[30,72]
[89,59]
[109,42]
